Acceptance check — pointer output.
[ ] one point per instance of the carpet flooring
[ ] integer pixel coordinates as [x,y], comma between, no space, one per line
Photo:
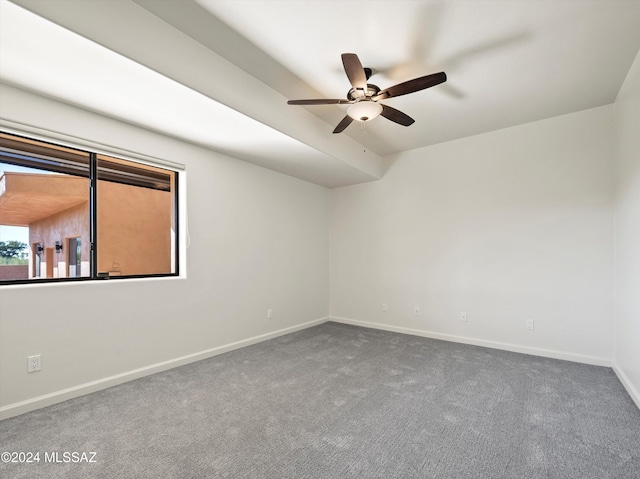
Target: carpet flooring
[339,401]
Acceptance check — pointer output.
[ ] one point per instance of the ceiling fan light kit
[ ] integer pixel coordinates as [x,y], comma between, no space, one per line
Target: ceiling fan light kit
[364,110]
[363,98]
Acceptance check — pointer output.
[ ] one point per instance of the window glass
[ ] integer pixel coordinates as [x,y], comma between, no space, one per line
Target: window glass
[38,260]
[44,198]
[68,213]
[75,257]
[136,218]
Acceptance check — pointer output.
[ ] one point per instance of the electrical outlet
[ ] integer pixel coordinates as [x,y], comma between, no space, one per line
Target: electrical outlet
[33,363]
[528,325]
[385,307]
[269,313]
[417,310]
[463,316]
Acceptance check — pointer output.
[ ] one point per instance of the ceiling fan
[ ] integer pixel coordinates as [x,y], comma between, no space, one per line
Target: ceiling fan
[364,97]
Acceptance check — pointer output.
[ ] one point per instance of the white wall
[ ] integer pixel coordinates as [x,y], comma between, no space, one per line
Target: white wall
[258,240]
[627,233]
[510,225]
[506,226]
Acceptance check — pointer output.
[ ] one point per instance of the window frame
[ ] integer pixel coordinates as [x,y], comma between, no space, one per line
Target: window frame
[94,150]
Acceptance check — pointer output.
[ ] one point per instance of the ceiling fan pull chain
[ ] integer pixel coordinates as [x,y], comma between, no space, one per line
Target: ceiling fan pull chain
[363,127]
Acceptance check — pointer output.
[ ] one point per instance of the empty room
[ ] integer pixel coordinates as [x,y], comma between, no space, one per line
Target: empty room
[320,239]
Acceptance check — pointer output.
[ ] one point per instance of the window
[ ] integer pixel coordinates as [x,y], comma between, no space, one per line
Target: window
[37,247]
[84,214]
[75,257]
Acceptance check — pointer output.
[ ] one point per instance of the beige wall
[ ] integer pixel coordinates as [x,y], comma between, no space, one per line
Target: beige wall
[134,233]
[134,229]
[70,223]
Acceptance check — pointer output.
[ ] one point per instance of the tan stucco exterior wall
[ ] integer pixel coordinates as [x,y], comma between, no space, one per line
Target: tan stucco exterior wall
[70,223]
[134,233]
[134,229]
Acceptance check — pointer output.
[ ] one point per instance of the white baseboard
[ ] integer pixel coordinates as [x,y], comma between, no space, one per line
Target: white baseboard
[547,353]
[32,404]
[22,407]
[628,385]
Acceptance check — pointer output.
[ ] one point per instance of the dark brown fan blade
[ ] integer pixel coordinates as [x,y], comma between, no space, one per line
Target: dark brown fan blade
[411,86]
[355,72]
[346,121]
[319,102]
[396,116]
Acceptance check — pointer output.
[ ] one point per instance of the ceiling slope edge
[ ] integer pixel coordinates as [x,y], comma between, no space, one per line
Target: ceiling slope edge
[147,39]
[77,125]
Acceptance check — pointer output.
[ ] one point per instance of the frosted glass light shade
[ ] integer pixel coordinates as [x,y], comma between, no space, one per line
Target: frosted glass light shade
[364,110]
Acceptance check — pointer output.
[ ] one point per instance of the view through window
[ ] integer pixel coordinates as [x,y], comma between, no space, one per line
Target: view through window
[68,213]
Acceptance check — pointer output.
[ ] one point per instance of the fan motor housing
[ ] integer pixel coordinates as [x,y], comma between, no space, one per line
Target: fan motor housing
[372,90]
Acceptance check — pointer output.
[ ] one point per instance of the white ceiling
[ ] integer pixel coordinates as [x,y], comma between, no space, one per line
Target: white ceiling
[224,69]
[508,62]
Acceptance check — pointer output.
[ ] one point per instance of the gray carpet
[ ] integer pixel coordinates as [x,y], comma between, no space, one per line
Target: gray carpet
[338,401]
